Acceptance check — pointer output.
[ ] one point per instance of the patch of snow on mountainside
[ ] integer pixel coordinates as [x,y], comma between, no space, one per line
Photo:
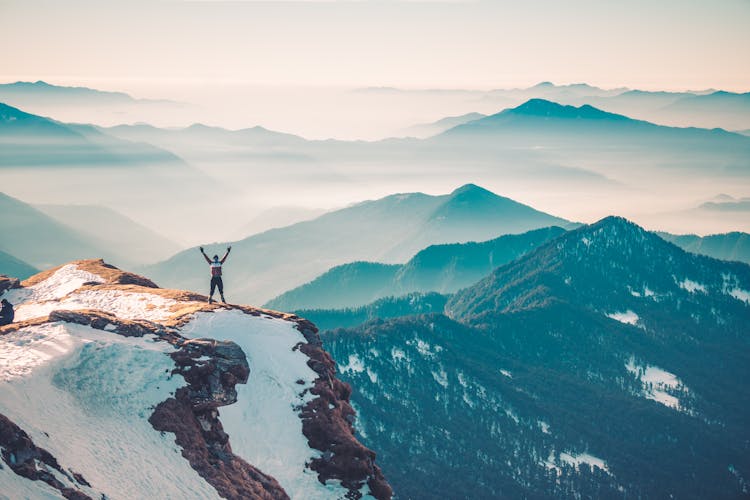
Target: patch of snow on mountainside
[657,384]
[61,291]
[628,317]
[740,294]
[264,425]
[575,460]
[65,280]
[692,286]
[88,403]
[24,488]
[354,365]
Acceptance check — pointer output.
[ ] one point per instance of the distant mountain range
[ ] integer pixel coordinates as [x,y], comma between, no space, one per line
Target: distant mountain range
[438,268]
[40,240]
[29,140]
[729,246]
[538,117]
[391,229]
[50,235]
[379,310]
[125,241]
[567,372]
[705,108]
[429,129]
[354,293]
[24,93]
[42,94]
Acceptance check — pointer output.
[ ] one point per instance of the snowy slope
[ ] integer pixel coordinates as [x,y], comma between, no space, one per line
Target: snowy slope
[112,387]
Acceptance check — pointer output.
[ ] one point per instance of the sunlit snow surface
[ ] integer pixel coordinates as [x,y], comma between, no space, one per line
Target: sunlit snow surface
[86,395]
[264,426]
[88,404]
[656,383]
[60,291]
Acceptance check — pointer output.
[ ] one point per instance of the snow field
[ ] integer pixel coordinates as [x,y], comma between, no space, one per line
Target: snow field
[88,404]
[692,286]
[47,296]
[264,426]
[574,460]
[24,488]
[628,317]
[656,382]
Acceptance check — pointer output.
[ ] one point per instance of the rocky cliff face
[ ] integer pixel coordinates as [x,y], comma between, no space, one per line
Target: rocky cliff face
[220,400]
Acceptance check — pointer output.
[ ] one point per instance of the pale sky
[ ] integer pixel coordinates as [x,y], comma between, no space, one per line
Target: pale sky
[664,44]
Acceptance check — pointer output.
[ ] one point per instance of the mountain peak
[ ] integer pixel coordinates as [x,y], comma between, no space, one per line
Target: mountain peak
[471,189]
[613,231]
[618,221]
[544,108]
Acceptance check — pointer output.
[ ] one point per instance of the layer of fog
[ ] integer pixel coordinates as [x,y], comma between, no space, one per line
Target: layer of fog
[231,185]
[366,113]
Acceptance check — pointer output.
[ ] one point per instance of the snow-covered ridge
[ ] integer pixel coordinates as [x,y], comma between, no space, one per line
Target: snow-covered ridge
[99,359]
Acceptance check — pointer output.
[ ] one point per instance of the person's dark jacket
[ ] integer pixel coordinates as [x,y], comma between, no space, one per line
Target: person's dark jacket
[6,313]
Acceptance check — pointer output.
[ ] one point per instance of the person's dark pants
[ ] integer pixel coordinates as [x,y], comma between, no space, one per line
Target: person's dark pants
[217,283]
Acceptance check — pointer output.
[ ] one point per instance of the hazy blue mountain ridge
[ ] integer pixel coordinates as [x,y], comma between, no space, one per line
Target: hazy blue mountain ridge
[391,230]
[438,268]
[14,267]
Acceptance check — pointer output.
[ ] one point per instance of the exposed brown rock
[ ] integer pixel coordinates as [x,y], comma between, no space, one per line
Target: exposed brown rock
[193,417]
[327,424]
[23,457]
[13,327]
[7,283]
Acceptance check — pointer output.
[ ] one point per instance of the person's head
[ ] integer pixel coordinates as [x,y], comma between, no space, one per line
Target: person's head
[216,258]
[4,302]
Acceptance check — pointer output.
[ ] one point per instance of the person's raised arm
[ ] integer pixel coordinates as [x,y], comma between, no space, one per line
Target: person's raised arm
[229,249]
[205,256]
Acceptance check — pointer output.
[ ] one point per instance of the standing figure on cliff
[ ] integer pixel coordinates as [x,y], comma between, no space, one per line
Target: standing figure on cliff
[216,281]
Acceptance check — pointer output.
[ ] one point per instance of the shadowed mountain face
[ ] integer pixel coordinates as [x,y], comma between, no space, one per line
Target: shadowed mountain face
[610,265]
[391,229]
[125,241]
[36,238]
[567,372]
[437,268]
[50,234]
[16,268]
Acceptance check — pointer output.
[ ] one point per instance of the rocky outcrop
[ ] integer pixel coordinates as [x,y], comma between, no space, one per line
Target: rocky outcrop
[212,369]
[6,283]
[26,459]
[108,272]
[327,423]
